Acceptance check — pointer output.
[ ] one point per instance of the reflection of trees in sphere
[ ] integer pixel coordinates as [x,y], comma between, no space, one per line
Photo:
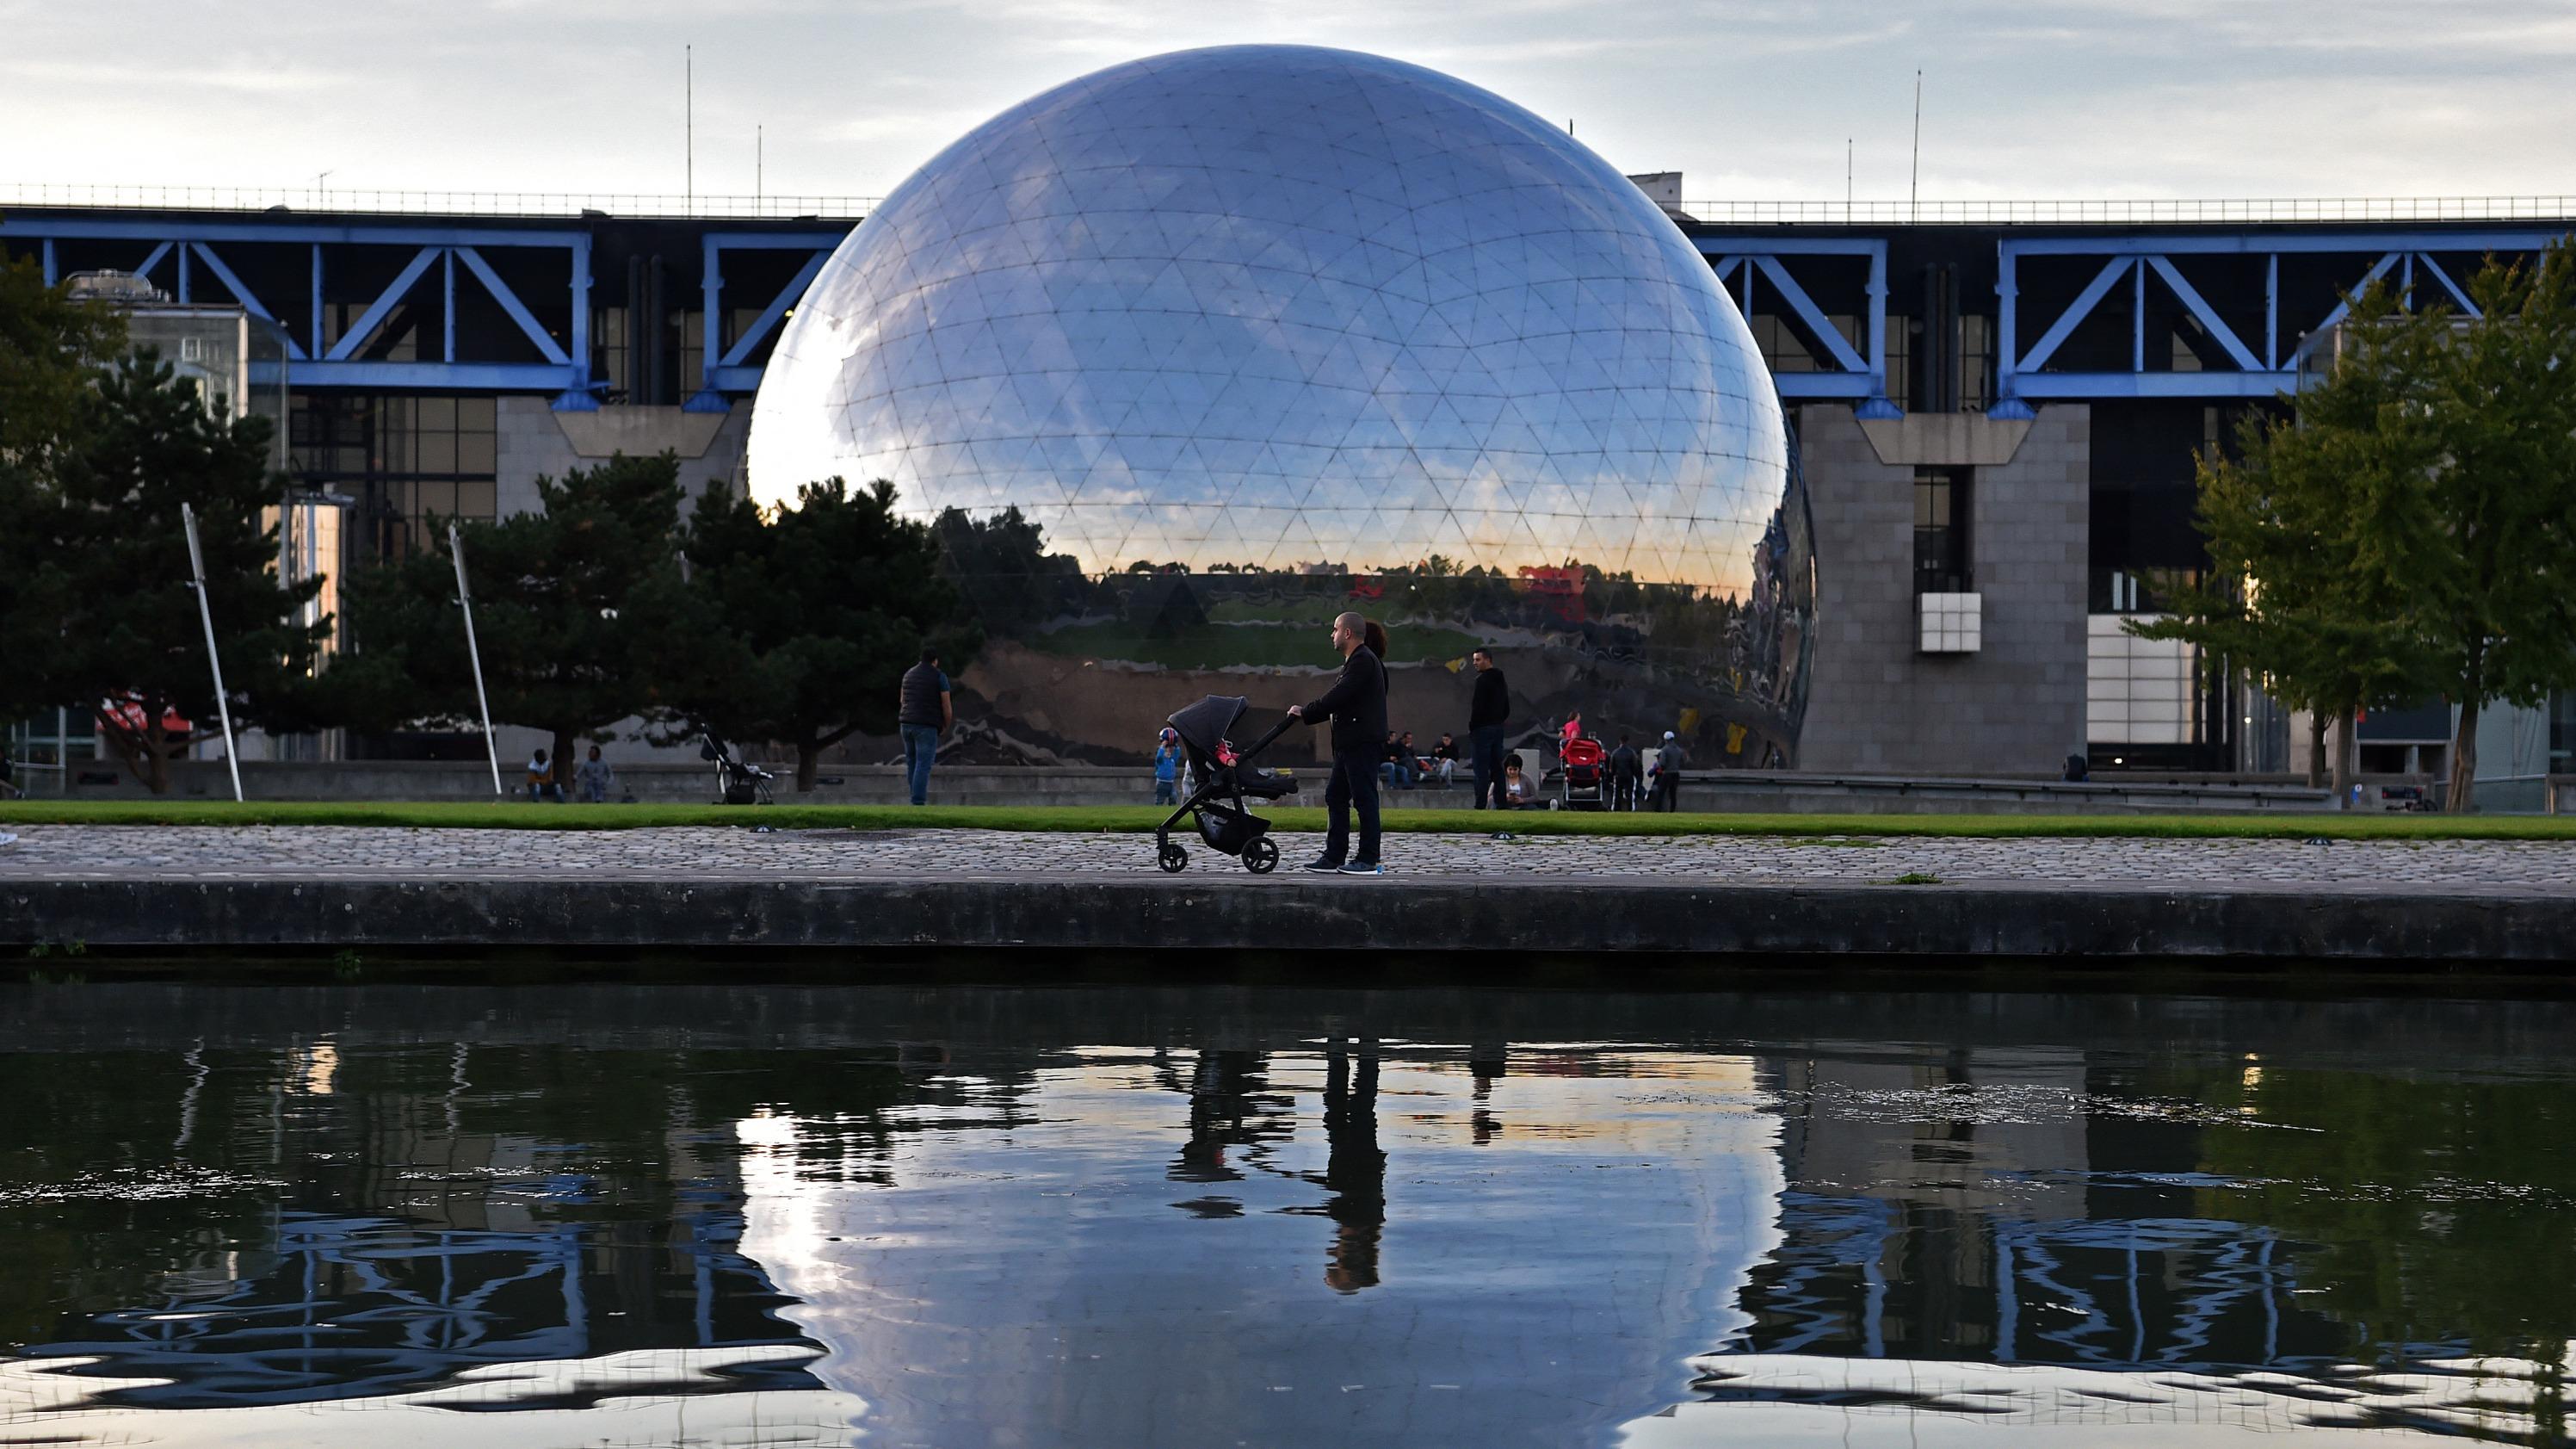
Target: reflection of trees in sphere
[1259,310]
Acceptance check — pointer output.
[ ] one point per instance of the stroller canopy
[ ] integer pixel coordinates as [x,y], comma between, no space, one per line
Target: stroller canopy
[1206,722]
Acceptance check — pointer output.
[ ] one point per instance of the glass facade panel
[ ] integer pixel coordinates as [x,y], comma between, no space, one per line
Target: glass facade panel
[403,460]
[1941,532]
[1307,330]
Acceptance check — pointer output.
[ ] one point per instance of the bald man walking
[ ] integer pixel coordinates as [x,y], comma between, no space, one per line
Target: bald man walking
[1356,704]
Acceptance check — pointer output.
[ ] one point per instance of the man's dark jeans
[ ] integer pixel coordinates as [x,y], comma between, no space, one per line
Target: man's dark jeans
[1486,749]
[1353,787]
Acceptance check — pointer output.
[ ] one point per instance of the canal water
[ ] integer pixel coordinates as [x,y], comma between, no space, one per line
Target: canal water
[1142,1216]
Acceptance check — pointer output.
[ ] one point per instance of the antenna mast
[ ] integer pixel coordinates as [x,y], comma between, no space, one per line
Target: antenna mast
[1914,185]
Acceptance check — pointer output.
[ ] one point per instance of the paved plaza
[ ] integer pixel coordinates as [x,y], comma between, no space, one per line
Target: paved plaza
[107,852]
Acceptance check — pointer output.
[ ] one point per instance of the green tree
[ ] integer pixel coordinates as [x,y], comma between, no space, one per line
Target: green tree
[2492,564]
[52,350]
[821,608]
[2308,528]
[103,616]
[579,611]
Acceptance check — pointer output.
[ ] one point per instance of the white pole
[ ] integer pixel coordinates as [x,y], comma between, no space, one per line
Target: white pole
[206,613]
[456,551]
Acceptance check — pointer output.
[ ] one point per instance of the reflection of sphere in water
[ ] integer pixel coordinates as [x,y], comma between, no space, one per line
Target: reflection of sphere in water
[1287,310]
[1269,305]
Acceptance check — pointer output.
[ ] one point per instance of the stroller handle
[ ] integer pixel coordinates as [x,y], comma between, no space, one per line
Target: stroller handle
[1263,743]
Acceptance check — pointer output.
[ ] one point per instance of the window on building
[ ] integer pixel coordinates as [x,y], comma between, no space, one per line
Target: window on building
[2562,732]
[1976,362]
[1941,531]
[1900,361]
[406,462]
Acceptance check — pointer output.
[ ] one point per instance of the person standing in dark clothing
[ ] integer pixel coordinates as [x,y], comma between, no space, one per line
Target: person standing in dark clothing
[1626,769]
[1356,704]
[1668,774]
[1487,714]
[923,712]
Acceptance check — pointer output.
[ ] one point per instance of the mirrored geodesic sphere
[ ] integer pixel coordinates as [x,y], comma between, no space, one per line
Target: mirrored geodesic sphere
[1259,332]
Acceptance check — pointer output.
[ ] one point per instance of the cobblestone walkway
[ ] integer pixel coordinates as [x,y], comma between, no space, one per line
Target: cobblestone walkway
[271,852]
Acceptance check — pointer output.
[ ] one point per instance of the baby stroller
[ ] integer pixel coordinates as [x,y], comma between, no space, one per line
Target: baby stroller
[1224,772]
[736,782]
[1587,774]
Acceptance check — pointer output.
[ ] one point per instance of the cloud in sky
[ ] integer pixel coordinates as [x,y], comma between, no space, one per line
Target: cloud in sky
[1753,100]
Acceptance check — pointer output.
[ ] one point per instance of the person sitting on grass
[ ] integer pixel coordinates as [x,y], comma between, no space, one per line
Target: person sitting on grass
[1520,792]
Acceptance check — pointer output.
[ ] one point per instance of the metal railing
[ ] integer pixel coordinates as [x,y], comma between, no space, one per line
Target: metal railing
[2136,210]
[431,203]
[2112,211]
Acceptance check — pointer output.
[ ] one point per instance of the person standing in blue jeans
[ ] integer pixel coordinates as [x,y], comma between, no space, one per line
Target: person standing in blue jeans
[1487,714]
[1167,768]
[922,713]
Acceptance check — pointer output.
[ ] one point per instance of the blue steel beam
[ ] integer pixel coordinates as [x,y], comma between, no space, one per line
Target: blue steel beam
[717,363]
[1730,251]
[1808,312]
[2020,375]
[511,304]
[2224,335]
[242,294]
[2467,307]
[374,316]
[2076,311]
[422,376]
[778,307]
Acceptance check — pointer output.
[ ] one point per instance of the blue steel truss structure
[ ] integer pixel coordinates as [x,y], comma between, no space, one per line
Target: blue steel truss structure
[2210,277]
[2213,312]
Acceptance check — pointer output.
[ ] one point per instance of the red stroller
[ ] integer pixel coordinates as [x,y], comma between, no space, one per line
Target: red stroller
[1587,773]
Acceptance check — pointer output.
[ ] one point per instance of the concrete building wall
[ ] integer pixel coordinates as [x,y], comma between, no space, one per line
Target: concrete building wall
[1878,705]
[533,440]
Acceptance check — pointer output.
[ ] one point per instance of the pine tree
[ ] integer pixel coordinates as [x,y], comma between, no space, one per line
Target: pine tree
[820,609]
[579,611]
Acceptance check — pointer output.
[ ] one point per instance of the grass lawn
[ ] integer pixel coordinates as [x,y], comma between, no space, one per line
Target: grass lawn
[491,815]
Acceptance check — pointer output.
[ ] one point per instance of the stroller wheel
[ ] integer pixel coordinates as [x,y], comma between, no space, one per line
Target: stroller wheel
[1172,857]
[1261,856]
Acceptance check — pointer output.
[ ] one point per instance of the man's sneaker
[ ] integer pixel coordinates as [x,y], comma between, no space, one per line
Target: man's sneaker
[1363,867]
[1323,865]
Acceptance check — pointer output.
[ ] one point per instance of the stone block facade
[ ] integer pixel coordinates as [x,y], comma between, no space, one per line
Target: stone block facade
[1878,705]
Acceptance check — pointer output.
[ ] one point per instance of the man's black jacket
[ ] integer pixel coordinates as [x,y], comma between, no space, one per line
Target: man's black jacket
[1626,765]
[1356,704]
[1492,704]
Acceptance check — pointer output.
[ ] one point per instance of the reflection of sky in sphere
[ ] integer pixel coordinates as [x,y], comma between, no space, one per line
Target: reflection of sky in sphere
[1270,305]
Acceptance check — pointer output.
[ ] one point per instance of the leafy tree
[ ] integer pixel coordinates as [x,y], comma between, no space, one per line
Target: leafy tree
[52,350]
[2493,563]
[103,617]
[2306,589]
[821,609]
[1002,569]
[579,611]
